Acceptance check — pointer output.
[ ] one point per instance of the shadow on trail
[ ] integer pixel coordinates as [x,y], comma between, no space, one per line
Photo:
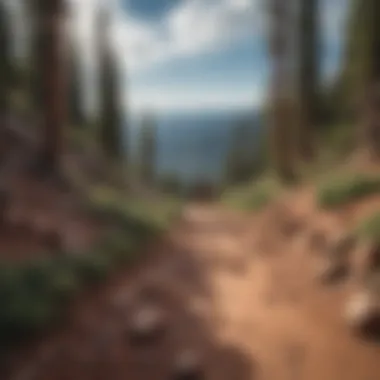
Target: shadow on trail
[93,344]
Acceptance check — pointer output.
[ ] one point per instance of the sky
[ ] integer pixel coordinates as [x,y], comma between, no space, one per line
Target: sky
[192,54]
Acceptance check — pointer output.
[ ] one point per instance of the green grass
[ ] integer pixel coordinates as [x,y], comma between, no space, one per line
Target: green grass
[369,228]
[252,197]
[346,188]
[133,213]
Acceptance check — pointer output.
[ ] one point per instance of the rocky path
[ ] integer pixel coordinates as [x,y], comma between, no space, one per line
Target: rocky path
[222,305]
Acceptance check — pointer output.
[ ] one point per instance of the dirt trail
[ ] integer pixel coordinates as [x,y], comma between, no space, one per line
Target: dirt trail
[251,315]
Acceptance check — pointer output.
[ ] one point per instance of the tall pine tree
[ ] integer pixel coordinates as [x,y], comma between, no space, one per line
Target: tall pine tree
[307,80]
[110,108]
[360,78]
[281,110]
[5,61]
[75,100]
[50,79]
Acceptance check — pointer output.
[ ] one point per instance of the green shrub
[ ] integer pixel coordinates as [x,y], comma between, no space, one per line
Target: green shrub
[341,190]
[27,301]
[120,247]
[369,228]
[252,197]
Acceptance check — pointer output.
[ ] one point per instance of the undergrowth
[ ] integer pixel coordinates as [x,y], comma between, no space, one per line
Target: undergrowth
[369,228]
[346,188]
[252,197]
[34,294]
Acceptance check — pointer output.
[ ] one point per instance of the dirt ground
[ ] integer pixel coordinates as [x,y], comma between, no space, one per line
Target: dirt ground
[245,298]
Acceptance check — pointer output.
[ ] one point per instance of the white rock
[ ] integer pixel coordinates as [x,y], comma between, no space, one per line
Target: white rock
[359,309]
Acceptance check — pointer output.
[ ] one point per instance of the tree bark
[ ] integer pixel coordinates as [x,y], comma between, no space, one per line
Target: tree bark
[307,81]
[51,45]
[282,122]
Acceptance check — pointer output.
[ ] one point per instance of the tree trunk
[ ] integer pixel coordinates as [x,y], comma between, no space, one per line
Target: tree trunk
[371,110]
[307,81]
[110,108]
[76,112]
[282,122]
[5,64]
[51,45]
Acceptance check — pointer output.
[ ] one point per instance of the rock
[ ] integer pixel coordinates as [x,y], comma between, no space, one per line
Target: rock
[188,366]
[146,326]
[332,271]
[343,246]
[362,314]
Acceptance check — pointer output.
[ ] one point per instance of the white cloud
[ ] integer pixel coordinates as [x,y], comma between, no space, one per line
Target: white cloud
[164,100]
[193,27]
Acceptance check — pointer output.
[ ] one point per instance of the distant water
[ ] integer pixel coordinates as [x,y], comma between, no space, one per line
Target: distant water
[194,146]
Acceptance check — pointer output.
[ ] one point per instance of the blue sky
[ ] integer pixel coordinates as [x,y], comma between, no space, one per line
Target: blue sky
[192,54]
[227,68]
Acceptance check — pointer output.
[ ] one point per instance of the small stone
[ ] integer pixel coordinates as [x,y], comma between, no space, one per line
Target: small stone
[187,366]
[147,325]
[343,246]
[332,271]
[362,314]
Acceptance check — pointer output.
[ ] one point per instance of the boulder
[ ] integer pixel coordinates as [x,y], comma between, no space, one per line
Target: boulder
[332,271]
[343,246]
[362,313]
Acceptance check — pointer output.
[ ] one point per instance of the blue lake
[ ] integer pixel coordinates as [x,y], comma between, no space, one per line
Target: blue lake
[194,146]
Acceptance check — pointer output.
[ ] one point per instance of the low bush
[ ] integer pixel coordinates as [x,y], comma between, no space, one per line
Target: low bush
[341,190]
[369,228]
[33,294]
[252,197]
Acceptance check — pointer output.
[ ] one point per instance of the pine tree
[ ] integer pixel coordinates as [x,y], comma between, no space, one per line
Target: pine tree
[358,84]
[76,112]
[307,80]
[5,62]
[281,110]
[49,80]
[110,110]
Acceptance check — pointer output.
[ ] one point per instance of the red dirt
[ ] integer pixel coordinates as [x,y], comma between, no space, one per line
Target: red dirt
[235,290]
